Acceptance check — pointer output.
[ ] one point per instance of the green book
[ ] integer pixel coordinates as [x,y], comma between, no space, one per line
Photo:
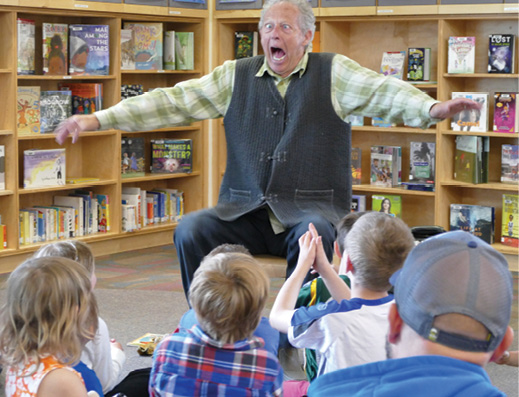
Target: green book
[185,50]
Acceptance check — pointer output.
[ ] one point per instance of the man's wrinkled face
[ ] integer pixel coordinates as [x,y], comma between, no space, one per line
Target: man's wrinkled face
[282,40]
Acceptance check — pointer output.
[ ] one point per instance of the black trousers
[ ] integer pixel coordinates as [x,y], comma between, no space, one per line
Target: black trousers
[199,232]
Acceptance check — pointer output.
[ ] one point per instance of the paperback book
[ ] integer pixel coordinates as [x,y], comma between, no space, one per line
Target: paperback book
[169,50]
[2,167]
[509,163]
[390,204]
[55,106]
[132,157]
[471,119]
[245,44]
[147,44]
[127,50]
[55,48]
[26,46]
[510,221]
[44,167]
[356,166]
[506,112]
[184,50]
[501,49]
[475,219]
[422,162]
[393,64]
[358,203]
[86,97]
[171,156]
[28,110]
[461,54]
[418,64]
[89,47]
[386,165]
[466,158]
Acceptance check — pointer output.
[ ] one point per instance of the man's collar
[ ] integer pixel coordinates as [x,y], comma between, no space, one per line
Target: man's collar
[300,68]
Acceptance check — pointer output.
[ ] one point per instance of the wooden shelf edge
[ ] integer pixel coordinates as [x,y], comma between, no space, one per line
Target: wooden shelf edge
[161,71]
[482,75]
[471,9]
[392,130]
[391,190]
[52,135]
[158,177]
[408,10]
[6,132]
[67,186]
[508,187]
[241,14]
[64,77]
[152,229]
[347,11]
[6,192]
[488,133]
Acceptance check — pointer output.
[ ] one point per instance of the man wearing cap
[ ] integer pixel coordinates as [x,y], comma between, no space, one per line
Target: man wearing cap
[451,315]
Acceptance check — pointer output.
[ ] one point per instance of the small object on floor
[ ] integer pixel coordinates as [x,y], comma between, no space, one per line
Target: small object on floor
[148,348]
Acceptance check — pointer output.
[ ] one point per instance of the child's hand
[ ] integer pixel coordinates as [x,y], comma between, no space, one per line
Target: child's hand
[306,252]
[116,344]
[321,263]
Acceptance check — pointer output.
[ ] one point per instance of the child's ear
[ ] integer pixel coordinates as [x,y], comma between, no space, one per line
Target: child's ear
[349,265]
[395,324]
[336,249]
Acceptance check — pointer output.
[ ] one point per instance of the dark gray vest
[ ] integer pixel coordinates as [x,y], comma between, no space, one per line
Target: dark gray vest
[293,154]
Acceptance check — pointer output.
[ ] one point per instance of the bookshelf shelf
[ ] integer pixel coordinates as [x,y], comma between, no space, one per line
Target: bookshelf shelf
[513,76]
[6,193]
[505,187]
[391,190]
[487,133]
[395,130]
[158,177]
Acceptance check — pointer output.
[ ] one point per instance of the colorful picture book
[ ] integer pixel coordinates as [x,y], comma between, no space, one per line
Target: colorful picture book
[169,50]
[148,41]
[393,64]
[358,203]
[471,119]
[26,46]
[245,44]
[390,204]
[501,53]
[356,166]
[45,167]
[55,106]
[28,110]
[127,50]
[509,163]
[422,162]
[184,50]
[171,156]
[2,167]
[461,54]
[475,219]
[510,220]
[132,157]
[89,50]
[131,90]
[386,165]
[355,120]
[418,64]
[55,48]
[506,112]
[86,97]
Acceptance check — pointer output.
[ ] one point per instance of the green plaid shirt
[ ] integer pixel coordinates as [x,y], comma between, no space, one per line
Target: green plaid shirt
[355,90]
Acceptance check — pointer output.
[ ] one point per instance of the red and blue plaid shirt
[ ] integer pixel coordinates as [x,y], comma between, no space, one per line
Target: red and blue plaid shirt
[193,364]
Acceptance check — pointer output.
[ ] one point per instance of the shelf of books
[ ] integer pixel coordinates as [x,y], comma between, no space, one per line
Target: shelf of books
[91,58]
[411,172]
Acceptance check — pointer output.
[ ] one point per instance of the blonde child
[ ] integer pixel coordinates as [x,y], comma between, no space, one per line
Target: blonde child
[103,355]
[49,314]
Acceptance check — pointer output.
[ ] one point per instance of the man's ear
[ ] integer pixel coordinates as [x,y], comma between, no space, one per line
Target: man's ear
[504,345]
[337,250]
[308,38]
[395,324]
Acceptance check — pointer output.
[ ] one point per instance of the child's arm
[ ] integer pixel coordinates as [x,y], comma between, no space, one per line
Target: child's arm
[283,308]
[336,286]
[62,383]
[509,358]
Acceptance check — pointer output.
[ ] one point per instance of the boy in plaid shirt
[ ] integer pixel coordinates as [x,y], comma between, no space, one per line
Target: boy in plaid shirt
[219,356]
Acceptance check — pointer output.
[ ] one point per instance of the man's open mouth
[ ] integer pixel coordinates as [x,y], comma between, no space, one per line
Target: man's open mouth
[277,53]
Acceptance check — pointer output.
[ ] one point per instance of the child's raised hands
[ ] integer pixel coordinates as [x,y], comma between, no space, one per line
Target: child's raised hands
[306,252]
[321,263]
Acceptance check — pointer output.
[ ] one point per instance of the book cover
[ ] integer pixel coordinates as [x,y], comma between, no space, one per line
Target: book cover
[78,204]
[356,166]
[169,50]
[509,163]
[86,97]
[465,160]
[131,90]
[510,221]
[147,44]
[171,156]
[44,167]
[146,339]
[127,50]
[475,219]
[418,64]
[471,119]
[103,201]
[422,162]
[132,157]
[506,112]
[393,64]
[390,204]
[55,48]
[26,46]
[501,48]
[386,165]
[89,50]
[358,203]
[380,122]
[461,54]
[245,44]
[185,50]
[28,110]
[355,120]
[2,167]
[55,106]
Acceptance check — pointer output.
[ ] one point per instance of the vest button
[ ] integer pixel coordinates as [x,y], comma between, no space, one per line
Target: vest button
[275,112]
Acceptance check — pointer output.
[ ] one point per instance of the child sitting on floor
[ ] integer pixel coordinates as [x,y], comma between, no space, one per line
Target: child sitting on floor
[220,356]
[50,312]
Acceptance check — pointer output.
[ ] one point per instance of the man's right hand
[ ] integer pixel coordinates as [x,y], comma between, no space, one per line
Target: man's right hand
[74,125]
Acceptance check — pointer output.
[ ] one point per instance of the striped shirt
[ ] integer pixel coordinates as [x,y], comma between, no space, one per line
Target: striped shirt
[193,364]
